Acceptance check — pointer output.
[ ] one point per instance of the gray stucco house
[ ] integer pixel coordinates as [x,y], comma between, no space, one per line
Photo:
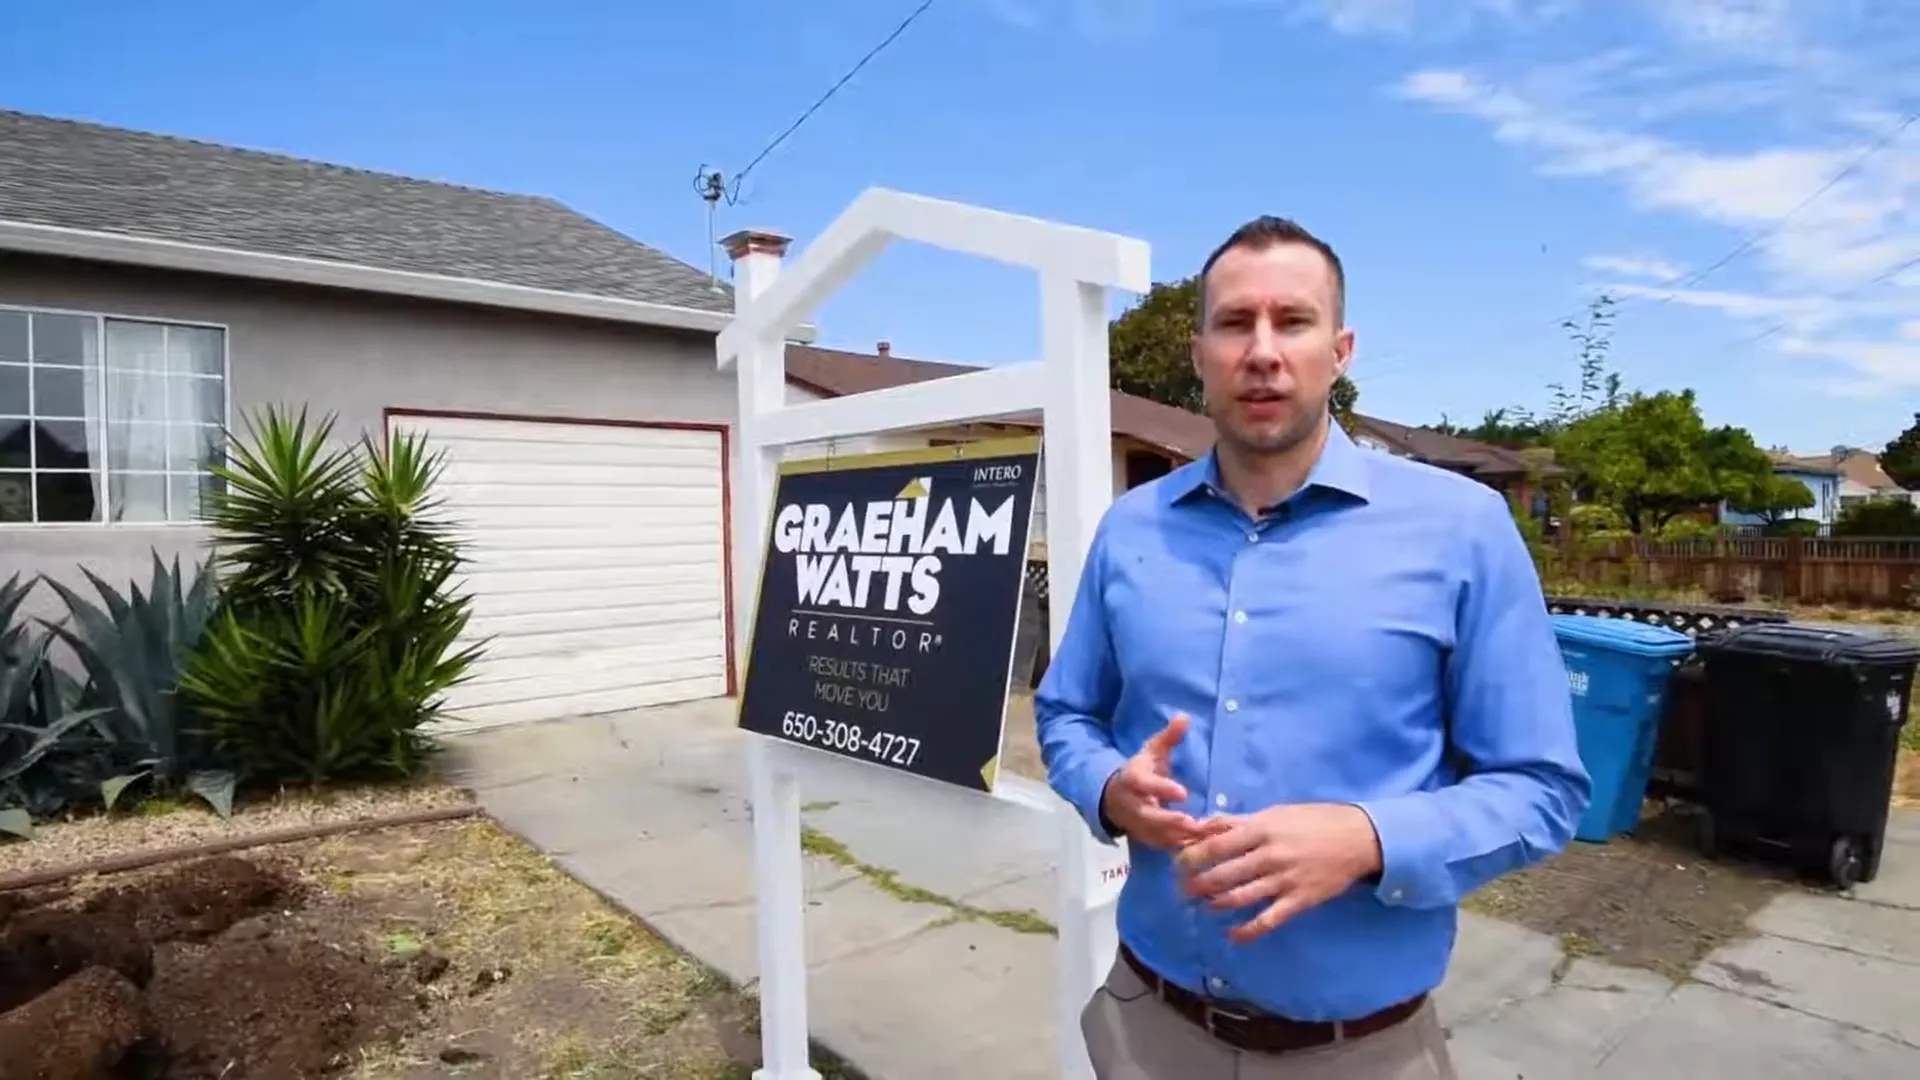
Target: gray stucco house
[154,290]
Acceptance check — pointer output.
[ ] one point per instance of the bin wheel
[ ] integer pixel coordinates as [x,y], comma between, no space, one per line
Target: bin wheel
[1845,862]
[1707,836]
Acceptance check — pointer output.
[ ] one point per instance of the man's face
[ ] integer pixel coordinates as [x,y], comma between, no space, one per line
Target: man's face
[1270,345]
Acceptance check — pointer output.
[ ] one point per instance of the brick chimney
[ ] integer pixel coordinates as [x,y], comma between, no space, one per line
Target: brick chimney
[885,348]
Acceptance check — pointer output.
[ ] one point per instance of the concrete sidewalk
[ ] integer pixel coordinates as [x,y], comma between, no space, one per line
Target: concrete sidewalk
[927,909]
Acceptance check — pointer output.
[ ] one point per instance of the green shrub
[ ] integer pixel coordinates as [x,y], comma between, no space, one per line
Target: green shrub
[337,639]
[1878,518]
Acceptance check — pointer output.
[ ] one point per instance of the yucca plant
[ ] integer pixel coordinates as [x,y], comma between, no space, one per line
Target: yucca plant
[338,641]
[133,648]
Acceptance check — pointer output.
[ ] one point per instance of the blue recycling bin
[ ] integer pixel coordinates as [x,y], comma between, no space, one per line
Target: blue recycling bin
[1617,670]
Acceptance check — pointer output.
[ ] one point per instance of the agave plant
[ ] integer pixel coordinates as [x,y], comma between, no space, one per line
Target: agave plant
[340,633]
[133,648]
[51,752]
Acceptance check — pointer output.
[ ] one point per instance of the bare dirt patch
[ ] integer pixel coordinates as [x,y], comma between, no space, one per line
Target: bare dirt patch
[1649,900]
[424,951]
[203,970]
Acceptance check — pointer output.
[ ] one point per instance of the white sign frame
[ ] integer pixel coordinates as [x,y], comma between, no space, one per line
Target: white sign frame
[1068,387]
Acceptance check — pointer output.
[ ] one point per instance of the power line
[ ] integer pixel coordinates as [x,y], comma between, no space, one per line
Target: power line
[1885,276]
[713,186]
[1750,242]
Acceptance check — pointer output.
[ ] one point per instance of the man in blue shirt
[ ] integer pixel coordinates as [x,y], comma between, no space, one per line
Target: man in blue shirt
[1317,689]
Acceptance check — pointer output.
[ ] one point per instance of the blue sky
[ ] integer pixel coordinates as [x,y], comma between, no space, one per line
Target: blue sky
[1482,165]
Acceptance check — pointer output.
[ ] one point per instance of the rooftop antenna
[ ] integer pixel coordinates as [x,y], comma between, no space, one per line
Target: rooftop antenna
[712,187]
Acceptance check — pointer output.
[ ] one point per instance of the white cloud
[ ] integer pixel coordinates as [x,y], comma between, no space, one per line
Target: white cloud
[1635,266]
[1817,277]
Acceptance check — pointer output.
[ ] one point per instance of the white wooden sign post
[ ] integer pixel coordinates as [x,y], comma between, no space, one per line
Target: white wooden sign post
[1068,386]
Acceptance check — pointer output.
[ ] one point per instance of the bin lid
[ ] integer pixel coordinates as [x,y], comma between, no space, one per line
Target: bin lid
[1622,635]
[1821,644]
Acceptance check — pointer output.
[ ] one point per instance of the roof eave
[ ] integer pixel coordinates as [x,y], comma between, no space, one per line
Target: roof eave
[37,239]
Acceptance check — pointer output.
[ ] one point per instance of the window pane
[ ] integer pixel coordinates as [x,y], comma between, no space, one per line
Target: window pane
[136,396]
[193,447]
[191,494]
[194,349]
[15,451]
[62,339]
[196,399]
[140,446]
[13,335]
[16,497]
[136,346]
[61,444]
[66,496]
[59,391]
[13,390]
[138,496]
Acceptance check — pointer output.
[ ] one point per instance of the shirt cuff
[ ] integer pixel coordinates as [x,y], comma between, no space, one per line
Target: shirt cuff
[1089,784]
[1413,866]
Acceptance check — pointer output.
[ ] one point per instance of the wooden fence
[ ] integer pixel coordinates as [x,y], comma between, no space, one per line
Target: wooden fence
[1868,573]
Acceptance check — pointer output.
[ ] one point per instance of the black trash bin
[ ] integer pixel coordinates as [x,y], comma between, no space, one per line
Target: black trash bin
[1803,725]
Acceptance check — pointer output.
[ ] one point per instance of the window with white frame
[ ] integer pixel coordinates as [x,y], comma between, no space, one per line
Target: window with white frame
[108,420]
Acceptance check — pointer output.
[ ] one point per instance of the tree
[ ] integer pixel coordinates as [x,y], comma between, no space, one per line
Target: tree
[1901,458]
[1150,352]
[1772,498]
[1512,428]
[1652,458]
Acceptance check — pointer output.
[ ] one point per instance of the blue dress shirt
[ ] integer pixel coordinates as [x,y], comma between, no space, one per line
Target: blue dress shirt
[1379,639]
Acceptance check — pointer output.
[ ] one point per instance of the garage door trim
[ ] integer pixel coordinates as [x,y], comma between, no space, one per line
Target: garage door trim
[726,478]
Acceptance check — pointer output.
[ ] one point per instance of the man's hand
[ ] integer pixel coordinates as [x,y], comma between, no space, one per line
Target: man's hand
[1135,797]
[1295,856]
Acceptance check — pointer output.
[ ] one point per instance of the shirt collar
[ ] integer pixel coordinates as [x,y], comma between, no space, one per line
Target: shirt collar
[1342,467]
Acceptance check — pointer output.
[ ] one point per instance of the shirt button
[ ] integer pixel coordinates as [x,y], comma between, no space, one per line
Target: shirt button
[1395,895]
[1232,705]
[1253,538]
[1239,616]
[1217,983]
[1220,800]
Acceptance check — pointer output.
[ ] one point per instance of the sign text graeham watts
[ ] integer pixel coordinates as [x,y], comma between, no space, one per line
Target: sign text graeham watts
[886,554]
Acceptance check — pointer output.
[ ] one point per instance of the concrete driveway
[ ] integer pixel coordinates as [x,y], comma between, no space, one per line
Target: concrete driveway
[927,909]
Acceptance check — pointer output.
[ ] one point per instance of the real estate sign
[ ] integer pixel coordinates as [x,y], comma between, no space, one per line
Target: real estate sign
[889,596]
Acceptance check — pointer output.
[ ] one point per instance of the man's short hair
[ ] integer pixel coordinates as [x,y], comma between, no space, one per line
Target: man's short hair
[1268,231]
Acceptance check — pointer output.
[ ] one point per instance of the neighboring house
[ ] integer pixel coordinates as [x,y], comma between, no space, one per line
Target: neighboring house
[1820,476]
[1862,478]
[1504,470]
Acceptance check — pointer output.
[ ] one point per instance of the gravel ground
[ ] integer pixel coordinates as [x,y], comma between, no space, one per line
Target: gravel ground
[167,824]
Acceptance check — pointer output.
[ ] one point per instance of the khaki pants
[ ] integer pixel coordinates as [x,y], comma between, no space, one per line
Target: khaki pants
[1132,1035]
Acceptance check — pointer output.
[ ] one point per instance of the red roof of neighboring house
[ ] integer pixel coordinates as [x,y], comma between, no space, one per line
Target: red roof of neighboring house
[1817,465]
[836,372]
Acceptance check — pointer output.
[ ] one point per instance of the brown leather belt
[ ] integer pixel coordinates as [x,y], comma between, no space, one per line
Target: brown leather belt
[1264,1033]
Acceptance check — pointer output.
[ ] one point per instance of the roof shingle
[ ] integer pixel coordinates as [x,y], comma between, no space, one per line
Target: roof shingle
[77,175]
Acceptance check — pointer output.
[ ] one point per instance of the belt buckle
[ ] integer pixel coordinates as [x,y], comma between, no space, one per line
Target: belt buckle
[1215,1012]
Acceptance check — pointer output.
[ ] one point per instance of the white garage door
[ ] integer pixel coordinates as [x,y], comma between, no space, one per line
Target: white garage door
[598,564]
